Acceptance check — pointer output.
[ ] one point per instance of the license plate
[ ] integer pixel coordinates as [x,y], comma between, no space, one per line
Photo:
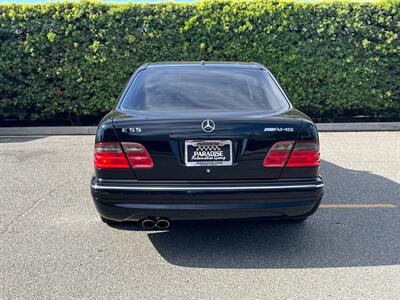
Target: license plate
[208,153]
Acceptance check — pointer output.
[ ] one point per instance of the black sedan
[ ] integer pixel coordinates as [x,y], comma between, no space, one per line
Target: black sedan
[205,141]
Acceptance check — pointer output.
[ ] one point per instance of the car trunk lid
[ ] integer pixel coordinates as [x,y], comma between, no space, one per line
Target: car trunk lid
[164,135]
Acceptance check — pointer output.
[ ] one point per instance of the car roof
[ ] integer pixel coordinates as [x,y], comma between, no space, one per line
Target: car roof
[216,64]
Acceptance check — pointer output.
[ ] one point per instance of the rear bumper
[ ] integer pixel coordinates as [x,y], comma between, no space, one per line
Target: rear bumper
[125,200]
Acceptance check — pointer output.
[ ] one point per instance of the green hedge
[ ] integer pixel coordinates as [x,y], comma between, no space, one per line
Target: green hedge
[71,60]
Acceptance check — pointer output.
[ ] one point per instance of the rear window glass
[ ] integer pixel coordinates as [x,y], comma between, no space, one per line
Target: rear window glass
[204,88]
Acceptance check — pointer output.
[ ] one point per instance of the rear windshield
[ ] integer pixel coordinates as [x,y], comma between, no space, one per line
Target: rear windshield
[204,88]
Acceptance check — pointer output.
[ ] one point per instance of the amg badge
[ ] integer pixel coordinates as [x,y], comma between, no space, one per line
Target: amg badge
[279,129]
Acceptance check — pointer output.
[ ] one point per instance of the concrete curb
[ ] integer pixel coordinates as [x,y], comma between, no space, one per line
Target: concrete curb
[373,126]
[51,130]
[91,130]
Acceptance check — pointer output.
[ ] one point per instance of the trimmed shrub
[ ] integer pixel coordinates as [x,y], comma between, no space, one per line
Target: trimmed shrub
[71,60]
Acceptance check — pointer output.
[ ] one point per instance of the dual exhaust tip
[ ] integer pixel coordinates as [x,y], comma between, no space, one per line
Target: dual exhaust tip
[155,223]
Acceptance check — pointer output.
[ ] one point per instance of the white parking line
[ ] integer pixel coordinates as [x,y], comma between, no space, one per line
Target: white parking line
[345,205]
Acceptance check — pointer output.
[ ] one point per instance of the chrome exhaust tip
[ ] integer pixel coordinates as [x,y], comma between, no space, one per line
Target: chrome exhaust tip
[148,224]
[162,224]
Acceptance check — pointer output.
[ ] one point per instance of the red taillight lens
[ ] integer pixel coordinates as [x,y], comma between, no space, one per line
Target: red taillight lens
[278,154]
[138,155]
[109,155]
[304,154]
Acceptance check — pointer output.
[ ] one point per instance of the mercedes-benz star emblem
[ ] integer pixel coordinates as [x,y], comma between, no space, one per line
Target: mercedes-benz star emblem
[208,125]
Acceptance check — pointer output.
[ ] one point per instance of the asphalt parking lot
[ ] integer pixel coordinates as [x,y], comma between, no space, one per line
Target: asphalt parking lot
[53,245]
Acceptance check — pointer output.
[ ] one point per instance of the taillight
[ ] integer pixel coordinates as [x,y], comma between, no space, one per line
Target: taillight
[278,154]
[109,155]
[137,155]
[304,154]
